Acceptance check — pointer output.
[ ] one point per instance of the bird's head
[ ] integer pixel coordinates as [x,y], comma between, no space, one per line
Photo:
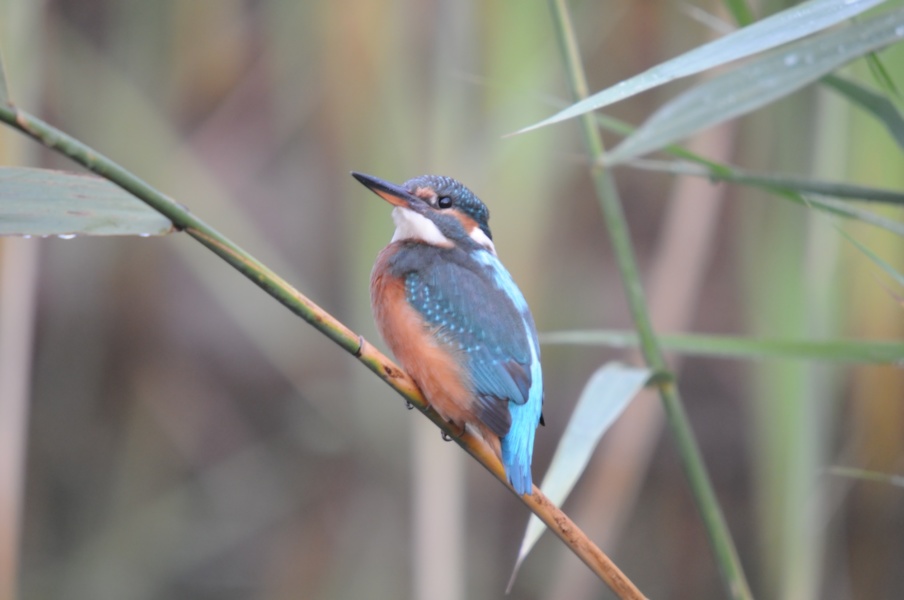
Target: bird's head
[436,210]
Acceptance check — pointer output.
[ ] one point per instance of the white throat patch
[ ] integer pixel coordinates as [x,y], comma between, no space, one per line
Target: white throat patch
[413,226]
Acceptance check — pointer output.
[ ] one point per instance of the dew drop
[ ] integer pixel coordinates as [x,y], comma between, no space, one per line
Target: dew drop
[899,31]
[27,236]
[791,60]
[66,236]
[144,235]
[409,405]
[446,436]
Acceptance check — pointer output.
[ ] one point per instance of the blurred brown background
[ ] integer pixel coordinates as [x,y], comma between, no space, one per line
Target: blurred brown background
[187,437]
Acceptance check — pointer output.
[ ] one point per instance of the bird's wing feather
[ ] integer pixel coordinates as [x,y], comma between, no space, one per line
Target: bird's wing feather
[475,317]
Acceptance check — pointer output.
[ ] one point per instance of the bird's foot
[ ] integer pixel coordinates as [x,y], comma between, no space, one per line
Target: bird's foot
[448,437]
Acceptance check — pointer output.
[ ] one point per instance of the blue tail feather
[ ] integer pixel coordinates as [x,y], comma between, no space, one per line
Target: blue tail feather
[518,446]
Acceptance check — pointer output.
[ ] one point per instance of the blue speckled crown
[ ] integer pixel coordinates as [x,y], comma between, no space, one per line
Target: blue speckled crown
[462,198]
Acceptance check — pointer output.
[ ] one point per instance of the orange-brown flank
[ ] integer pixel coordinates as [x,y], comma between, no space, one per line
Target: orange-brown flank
[436,373]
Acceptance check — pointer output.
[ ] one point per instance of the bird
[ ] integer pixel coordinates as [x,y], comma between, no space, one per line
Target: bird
[455,320]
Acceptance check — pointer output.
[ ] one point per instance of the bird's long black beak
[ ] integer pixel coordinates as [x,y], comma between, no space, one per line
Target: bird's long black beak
[395,195]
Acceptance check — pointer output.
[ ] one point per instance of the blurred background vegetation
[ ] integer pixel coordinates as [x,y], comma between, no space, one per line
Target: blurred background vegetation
[187,437]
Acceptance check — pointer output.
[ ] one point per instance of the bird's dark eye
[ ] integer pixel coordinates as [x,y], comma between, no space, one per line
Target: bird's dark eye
[444,202]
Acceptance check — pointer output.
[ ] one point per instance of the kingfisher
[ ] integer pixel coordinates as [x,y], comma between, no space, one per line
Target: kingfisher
[455,320]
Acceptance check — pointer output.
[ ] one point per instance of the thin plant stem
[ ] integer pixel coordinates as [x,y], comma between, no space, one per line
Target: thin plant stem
[557,521]
[617,226]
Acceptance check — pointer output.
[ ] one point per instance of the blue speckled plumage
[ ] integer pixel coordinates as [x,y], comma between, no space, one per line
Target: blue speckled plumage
[482,326]
[470,307]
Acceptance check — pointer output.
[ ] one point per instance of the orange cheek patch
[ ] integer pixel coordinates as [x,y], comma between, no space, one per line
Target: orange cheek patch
[467,222]
[475,232]
[425,193]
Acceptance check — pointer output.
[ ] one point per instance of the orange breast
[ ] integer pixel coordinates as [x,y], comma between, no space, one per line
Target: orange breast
[432,366]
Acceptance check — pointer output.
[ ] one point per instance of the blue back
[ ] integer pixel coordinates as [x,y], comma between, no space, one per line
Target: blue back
[518,445]
[481,316]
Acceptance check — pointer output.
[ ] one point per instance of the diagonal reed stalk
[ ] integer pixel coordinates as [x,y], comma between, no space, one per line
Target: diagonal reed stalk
[557,521]
[610,203]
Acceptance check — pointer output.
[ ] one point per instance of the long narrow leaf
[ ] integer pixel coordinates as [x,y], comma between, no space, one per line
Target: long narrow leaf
[862,351]
[877,105]
[783,27]
[788,183]
[890,270]
[863,474]
[41,202]
[724,172]
[759,83]
[846,209]
[607,393]
[882,75]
